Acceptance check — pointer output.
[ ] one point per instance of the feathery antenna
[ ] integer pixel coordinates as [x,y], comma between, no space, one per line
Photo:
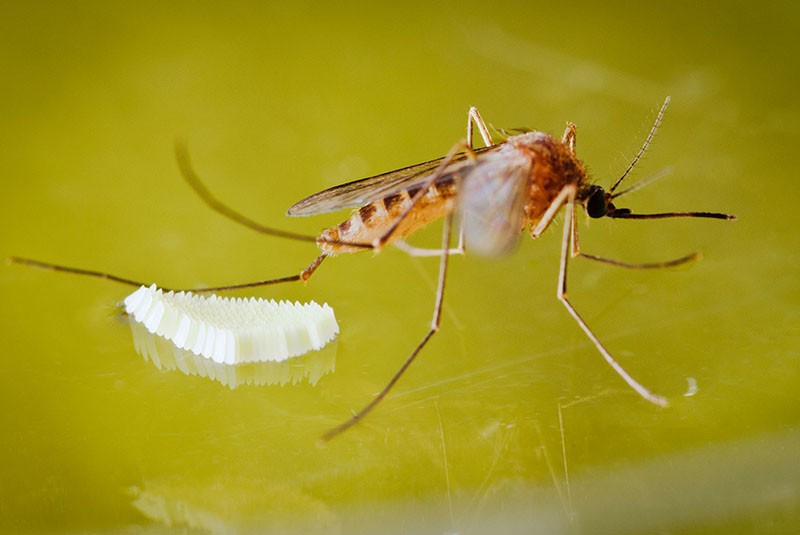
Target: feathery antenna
[646,144]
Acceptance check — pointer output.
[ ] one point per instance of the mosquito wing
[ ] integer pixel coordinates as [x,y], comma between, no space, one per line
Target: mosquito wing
[491,201]
[367,190]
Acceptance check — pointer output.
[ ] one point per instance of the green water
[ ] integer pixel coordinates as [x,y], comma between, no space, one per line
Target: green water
[510,421]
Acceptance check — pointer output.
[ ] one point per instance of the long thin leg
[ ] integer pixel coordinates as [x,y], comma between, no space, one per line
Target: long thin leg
[187,171]
[576,252]
[425,252]
[474,115]
[302,276]
[645,265]
[562,296]
[570,138]
[550,213]
[435,322]
[378,243]
[191,178]
[72,270]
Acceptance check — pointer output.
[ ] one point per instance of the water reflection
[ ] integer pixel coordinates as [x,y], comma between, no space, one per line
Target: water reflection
[233,505]
[165,355]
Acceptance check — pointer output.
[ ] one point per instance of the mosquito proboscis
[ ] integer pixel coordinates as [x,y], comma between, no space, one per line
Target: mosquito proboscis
[492,193]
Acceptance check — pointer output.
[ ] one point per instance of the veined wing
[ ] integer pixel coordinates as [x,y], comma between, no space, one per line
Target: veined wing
[491,201]
[367,190]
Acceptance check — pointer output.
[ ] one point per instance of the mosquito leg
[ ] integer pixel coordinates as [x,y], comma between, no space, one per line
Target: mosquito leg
[474,115]
[550,213]
[423,251]
[569,137]
[312,267]
[435,322]
[562,296]
[647,265]
[378,243]
[302,276]
[191,178]
[74,271]
[576,252]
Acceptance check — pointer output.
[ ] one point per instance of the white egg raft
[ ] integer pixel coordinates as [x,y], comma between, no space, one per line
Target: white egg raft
[233,330]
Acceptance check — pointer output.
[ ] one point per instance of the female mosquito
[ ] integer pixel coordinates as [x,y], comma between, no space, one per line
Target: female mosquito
[493,193]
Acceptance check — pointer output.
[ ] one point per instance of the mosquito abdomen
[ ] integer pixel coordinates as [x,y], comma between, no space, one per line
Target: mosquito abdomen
[372,221]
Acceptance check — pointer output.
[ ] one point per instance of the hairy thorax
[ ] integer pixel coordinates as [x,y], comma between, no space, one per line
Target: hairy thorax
[554,166]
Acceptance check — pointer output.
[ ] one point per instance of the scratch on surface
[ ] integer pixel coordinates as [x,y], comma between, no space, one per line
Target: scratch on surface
[491,370]
[692,389]
[446,465]
[569,509]
[551,469]
[501,445]
[568,504]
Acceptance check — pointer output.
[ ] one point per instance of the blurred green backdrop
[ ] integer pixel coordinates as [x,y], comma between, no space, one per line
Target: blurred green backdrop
[510,421]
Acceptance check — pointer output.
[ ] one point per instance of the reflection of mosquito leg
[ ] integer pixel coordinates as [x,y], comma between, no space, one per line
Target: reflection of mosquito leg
[435,321]
[302,276]
[562,296]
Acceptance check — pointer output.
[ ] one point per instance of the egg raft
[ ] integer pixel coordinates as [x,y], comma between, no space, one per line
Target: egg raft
[233,330]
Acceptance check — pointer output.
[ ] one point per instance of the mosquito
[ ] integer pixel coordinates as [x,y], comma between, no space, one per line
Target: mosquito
[493,193]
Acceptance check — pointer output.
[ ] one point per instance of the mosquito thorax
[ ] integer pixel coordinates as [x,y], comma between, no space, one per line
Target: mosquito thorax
[556,160]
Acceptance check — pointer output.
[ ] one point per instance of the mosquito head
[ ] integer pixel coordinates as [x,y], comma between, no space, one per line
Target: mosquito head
[597,202]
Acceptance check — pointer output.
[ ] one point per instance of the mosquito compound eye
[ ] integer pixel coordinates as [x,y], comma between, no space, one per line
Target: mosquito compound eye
[597,205]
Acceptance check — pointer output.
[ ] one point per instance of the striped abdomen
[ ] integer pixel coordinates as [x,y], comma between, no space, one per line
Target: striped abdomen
[370,222]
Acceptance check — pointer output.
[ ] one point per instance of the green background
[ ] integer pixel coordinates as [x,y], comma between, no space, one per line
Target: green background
[510,421]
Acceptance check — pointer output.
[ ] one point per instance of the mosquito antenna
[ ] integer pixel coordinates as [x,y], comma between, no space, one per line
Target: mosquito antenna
[644,145]
[644,182]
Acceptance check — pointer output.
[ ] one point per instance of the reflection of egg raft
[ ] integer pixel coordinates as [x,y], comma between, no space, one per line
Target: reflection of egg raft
[233,330]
